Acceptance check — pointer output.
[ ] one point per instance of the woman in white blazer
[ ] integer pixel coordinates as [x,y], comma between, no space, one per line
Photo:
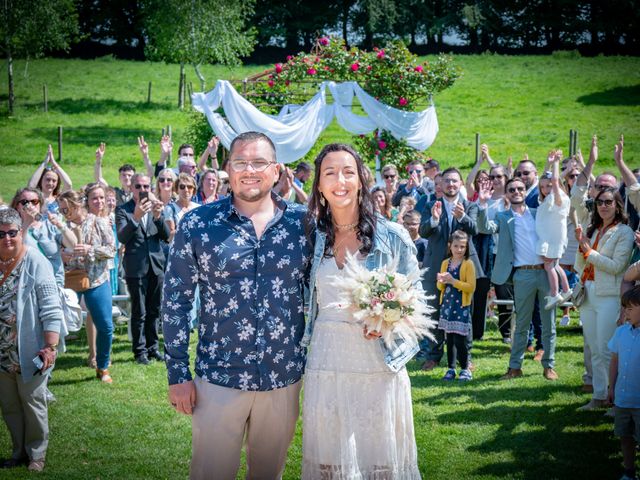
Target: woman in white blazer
[604,254]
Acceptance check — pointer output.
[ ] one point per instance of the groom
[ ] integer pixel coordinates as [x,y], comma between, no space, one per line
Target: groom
[249,256]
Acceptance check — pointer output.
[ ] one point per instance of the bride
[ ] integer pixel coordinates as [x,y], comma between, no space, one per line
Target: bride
[357,415]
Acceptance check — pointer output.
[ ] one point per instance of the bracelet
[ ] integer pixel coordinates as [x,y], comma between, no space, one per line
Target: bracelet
[52,346]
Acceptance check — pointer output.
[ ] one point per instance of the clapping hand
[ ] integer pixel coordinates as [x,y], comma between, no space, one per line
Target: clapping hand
[593,154]
[212,146]
[582,239]
[49,158]
[436,211]
[444,277]
[617,154]
[458,211]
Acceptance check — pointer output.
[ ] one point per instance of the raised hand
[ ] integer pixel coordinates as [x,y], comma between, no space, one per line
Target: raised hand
[485,190]
[593,153]
[617,154]
[100,152]
[142,145]
[436,211]
[212,146]
[166,145]
[49,158]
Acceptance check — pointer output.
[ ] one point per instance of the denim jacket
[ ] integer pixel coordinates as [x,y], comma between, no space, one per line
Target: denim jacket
[390,242]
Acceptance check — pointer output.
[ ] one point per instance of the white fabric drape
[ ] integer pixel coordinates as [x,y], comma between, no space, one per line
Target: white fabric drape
[297,127]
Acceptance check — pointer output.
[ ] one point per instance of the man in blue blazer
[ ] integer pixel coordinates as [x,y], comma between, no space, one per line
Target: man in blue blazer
[440,218]
[516,262]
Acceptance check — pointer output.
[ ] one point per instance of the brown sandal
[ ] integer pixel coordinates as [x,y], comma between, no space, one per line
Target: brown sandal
[103,375]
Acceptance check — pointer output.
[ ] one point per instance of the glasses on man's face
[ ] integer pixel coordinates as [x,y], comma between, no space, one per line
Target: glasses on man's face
[10,233]
[601,187]
[190,167]
[449,180]
[607,202]
[182,186]
[388,177]
[523,173]
[165,180]
[496,177]
[140,186]
[26,202]
[516,189]
[257,165]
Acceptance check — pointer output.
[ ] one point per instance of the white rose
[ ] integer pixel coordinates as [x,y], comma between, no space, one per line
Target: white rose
[392,315]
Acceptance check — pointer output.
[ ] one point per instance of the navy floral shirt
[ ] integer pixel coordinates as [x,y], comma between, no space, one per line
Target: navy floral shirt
[251,297]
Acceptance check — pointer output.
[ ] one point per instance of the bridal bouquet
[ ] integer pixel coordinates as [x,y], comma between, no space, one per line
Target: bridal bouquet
[386,301]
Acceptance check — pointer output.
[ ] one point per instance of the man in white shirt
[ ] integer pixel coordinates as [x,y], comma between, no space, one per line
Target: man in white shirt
[517,262]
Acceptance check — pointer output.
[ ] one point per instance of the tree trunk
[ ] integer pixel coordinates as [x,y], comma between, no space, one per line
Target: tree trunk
[10,72]
[181,87]
[345,20]
[196,67]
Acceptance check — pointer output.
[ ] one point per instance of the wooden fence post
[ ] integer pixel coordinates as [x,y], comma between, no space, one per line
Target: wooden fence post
[477,146]
[170,139]
[571,142]
[149,94]
[59,143]
[45,96]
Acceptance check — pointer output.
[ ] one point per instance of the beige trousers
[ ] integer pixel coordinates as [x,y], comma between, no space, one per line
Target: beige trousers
[224,417]
[24,410]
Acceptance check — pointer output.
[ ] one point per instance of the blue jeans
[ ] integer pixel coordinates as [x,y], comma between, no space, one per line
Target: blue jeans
[98,302]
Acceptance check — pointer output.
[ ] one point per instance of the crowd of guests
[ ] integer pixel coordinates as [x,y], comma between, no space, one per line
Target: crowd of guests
[543,238]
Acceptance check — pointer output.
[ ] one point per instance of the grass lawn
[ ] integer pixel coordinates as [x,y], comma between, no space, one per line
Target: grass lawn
[526,428]
[517,104]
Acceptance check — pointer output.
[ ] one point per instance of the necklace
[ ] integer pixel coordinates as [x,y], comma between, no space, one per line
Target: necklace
[4,263]
[347,226]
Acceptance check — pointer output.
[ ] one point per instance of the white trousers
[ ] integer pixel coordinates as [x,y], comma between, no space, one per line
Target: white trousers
[599,315]
[224,416]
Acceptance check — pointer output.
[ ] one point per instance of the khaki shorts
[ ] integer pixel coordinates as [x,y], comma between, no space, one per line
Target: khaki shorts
[627,422]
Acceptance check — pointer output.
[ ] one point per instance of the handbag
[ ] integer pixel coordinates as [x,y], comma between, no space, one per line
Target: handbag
[579,294]
[77,280]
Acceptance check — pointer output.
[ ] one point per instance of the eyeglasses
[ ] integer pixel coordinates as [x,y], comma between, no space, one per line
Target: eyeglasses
[64,210]
[11,233]
[165,180]
[516,189]
[573,176]
[26,202]
[182,186]
[389,176]
[139,186]
[449,180]
[418,171]
[601,187]
[494,177]
[258,165]
[604,203]
[523,173]
[190,167]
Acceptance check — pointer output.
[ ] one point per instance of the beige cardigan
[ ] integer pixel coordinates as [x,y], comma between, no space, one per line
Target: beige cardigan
[611,259]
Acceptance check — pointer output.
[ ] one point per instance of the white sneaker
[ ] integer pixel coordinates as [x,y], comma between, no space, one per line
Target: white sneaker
[566,295]
[564,321]
[552,301]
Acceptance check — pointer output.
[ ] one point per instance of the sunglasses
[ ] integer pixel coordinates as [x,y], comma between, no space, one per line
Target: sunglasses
[25,202]
[494,177]
[516,189]
[416,171]
[165,179]
[601,187]
[604,203]
[524,173]
[183,186]
[11,233]
[139,186]
[573,176]
[389,176]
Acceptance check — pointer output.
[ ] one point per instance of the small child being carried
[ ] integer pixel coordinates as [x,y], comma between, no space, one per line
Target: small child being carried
[551,228]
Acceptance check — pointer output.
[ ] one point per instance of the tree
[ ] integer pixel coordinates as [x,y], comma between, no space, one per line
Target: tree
[29,28]
[199,31]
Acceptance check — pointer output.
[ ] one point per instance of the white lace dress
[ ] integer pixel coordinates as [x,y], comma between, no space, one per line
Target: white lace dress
[357,416]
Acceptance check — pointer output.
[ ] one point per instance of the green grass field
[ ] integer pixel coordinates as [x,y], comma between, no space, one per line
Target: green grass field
[517,104]
[488,429]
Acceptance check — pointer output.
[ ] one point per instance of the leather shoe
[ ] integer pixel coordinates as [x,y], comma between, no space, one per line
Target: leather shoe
[143,360]
[13,462]
[429,365]
[550,374]
[512,373]
[538,356]
[36,465]
[155,355]
[594,404]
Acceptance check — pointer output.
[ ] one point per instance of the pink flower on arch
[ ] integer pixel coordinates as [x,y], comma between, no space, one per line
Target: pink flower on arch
[289,57]
[324,41]
[419,69]
[380,54]
[270,83]
[368,68]
[382,144]
[312,71]
[278,67]
[355,67]
[402,101]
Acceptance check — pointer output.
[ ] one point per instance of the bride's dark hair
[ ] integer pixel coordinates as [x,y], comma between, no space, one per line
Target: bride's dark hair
[322,213]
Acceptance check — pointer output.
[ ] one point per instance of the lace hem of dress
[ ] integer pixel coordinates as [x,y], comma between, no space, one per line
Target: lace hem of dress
[377,472]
